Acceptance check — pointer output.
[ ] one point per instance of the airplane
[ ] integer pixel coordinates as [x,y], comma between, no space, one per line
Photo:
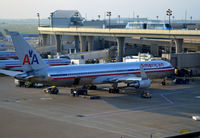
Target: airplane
[8,55]
[27,36]
[134,74]
[3,37]
[2,47]
[24,34]
[16,66]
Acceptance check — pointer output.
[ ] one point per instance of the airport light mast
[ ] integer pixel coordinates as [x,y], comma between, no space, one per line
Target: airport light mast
[51,19]
[76,14]
[169,13]
[119,18]
[38,15]
[99,17]
[173,18]
[191,18]
[157,17]
[138,18]
[109,14]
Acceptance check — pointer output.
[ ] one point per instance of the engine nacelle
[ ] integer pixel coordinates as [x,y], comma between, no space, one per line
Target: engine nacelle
[140,84]
[21,76]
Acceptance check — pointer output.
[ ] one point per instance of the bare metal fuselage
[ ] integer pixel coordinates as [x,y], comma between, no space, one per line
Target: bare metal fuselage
[98,73]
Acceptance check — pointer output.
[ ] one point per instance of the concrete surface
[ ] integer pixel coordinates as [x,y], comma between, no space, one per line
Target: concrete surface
[28,112]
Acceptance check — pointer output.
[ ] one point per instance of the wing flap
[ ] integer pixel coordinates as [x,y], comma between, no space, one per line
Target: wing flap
[122,78]
[117,78]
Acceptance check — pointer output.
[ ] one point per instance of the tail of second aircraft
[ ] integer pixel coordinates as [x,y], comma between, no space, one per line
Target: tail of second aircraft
[7,32]
[29,58]
[2,37]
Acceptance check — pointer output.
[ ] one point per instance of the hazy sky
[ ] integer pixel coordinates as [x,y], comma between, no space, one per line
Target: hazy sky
[92,8]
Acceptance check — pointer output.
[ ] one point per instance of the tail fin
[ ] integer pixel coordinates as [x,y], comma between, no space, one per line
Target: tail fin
[7,32]
[29,58]
[2,37]
[142,72]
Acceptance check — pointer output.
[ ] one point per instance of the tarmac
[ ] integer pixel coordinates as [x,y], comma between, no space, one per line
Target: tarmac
[29,112]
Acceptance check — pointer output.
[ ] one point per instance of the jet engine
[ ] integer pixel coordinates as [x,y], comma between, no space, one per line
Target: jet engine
[140,84]
[21,76]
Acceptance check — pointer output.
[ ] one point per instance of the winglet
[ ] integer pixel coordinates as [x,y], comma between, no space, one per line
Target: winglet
[142,72]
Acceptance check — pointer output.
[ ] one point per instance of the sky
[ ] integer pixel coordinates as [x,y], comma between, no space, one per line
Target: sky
[90,9]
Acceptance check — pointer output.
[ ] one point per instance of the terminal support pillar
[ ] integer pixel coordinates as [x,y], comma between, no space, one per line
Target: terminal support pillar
[154,50]
[44,39]
[76,38]
[172,44]
[40,40]
[58,43]
[52,39]
[90,43]
[82,43]
[179,45]
[120,48]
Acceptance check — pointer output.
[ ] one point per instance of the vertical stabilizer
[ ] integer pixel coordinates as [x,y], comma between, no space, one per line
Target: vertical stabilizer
[7,32]
[2,37]
[29,58]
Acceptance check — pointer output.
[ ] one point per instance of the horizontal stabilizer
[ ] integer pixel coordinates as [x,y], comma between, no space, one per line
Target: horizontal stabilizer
[10,73]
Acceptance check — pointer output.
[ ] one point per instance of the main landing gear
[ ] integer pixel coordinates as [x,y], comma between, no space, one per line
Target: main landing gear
[114,88]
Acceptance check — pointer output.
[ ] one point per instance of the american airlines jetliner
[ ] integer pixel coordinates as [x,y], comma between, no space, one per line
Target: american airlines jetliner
[27,36]
[16,66]
[8,55]
[134,74]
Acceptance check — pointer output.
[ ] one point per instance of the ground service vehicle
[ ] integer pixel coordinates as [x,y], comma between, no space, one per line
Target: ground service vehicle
[80,91]
[51,90]
[146,95]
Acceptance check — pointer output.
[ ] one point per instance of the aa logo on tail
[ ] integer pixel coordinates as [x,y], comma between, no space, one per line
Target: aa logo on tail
[30,58]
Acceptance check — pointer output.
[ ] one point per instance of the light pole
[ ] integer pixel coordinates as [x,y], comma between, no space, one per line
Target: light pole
[169,13]
[157,17]
[51,15]
[173,18]
[38,15]
[99,17]
[109,14]
[119,18]
[49,18]
[138,18]
[76,16]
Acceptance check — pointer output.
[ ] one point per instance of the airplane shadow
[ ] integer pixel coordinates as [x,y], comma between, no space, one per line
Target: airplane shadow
[172,100]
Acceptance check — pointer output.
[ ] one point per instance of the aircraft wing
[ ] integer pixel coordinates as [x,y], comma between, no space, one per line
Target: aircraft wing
[123,78]
[131,79]
[9,72]
[117,79]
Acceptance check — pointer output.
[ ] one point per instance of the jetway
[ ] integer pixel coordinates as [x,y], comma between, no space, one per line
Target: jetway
[184,60]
